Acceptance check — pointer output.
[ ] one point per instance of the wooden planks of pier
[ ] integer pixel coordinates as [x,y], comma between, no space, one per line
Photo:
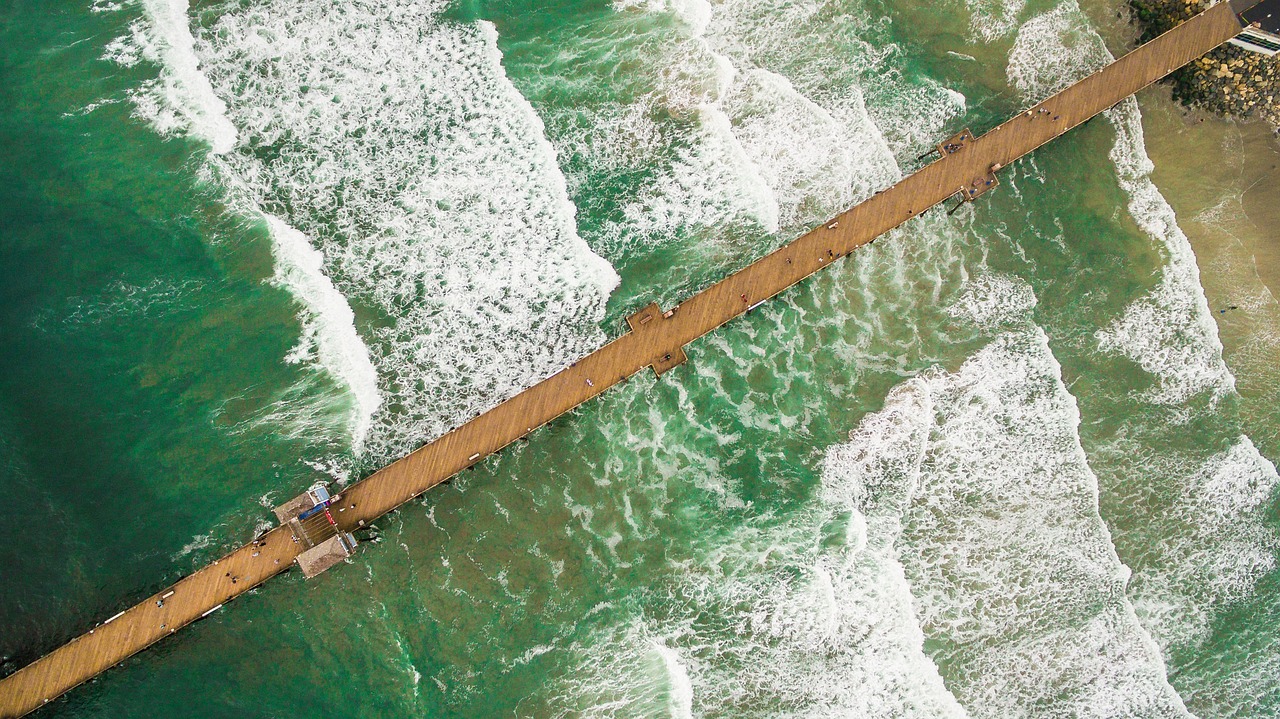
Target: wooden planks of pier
[966,168]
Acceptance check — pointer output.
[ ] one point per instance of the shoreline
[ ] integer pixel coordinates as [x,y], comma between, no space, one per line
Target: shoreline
[1222,178]
[1221,175]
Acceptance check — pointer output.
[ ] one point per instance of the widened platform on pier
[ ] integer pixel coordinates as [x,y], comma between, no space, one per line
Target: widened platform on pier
[966,169]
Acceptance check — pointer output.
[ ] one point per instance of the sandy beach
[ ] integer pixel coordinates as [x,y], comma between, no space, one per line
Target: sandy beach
[1222,177]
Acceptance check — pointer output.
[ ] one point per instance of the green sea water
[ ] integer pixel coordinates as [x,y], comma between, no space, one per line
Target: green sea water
[993,465]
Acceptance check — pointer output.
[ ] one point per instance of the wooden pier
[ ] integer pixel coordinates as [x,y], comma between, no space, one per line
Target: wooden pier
[966,168]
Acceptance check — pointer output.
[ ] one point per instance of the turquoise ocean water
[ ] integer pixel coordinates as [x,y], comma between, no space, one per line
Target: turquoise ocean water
[1001,464]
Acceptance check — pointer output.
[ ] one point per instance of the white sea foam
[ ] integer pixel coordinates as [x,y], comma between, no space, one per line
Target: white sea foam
[1053,50]
[814,163]
[392,139]
[806,117]
[1015,577]
[781,137]
[994,301]
[767,153]
[815,633]
[638,674]
[200,541]
[87,109]
[1170,332]
[913,116]
[181,100]
[808,130]
[306,410]
[773,630]
[328,324]
[1217,544]
[683,198]
[681,691]
[991,20]
[714,180]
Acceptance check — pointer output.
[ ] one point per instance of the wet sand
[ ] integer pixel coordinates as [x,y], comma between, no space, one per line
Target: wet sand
[1203,162]
[1222,178]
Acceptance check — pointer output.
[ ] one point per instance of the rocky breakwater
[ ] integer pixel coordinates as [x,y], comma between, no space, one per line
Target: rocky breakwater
[1229,80]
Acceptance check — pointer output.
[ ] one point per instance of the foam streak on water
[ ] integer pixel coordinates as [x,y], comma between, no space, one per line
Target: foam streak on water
[392,140]
[1170,332]
[182,100]
[997,522]
[1196,560]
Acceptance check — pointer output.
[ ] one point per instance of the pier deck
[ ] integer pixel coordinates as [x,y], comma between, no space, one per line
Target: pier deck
[966,167]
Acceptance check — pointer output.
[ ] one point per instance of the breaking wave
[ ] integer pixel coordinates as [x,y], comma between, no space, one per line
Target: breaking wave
[809,618]
[329,330]
[1217,544]
[736,123]
[425,180]
[389,142]
[1170,333]
[994,511]
[183,101]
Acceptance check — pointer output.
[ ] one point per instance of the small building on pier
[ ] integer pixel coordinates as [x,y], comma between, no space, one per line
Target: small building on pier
[1262,31]
[308,517]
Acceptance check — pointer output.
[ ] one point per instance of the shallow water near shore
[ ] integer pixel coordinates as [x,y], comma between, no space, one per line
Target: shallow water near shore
[1014,462]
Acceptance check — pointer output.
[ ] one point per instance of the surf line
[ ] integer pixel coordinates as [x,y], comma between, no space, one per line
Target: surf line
[965,168]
